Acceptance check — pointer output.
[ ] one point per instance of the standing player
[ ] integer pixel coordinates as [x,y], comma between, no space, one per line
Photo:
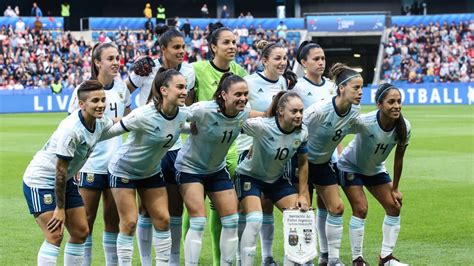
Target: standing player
[48,186]
[263,86]
[328,123]
[363,164]
[135,167]
[172,48]
[202,167]
[222,44]
[93,176]
[275,140]
[313,88]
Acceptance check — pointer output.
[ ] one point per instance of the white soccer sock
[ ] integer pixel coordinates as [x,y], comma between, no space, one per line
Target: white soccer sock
[229,238]
[266,235]
[144,239]
[73,254]
[390,231]
[334,235]
[175,228]
[249,237]
[109,243]
[193,241]
[321,216]
[86,261]
[48,254]
[124,250]
[356,236]
[162,243]
[241,228]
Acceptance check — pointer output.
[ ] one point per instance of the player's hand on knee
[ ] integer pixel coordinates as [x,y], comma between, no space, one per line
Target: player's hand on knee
[143,66]
[57,221]
[397,197]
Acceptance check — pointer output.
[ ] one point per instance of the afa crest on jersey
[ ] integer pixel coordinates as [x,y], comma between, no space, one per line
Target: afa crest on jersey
[48,199]
[120,95]
[125,180]
[296,143]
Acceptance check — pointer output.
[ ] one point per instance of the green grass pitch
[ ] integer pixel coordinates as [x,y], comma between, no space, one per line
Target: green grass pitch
[437,183]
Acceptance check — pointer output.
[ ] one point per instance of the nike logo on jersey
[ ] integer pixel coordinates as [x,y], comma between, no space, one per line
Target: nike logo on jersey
[260,90]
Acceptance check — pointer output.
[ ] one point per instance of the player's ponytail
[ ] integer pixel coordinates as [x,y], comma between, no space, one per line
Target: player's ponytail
[162,78]
[400,125]
[341,74]
[290,76]
[225,82]
[96,54]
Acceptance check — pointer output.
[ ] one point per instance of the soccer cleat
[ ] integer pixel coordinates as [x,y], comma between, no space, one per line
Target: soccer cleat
[335,262]
[360,262]
[269,261]
[323,259]
[390,260]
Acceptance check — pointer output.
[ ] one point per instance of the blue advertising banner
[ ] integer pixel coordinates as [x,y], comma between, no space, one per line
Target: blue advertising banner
[110,24]
[42,100]
[342,23]
[428,93]
[425,20]
[49,23]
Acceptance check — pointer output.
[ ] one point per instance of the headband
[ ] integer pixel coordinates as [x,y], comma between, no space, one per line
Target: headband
[348,78]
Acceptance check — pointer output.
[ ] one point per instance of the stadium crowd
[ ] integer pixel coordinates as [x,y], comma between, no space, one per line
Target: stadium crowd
[430,53]
[36,59]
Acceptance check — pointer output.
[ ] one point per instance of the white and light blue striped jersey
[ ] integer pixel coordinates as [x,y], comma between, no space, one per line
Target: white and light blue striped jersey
[261,93]
[327,128]
[205,152]
[151,135]
[72,141]
[145,83]
[117,98]
[367,152]
[272,148]
[311,92]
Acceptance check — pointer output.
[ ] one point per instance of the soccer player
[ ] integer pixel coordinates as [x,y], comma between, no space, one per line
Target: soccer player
[135,167]
[172,48]
[362,163]
[202,167]
[263,86]
[93,180]
[52,197]
[276,139]
[313,87]
[328,123]
[222,44]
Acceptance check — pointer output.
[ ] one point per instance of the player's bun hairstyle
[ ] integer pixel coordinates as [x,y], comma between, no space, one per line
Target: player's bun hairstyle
[166,34]
[279,102]
[162,78]
[400,125]
[226,81]
[341,74]
[88,86]
[215,30]
[96,54]
[303,50]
